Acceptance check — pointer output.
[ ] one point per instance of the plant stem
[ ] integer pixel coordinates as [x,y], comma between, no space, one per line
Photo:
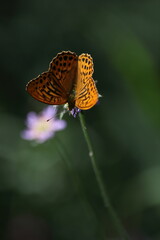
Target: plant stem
[116,221]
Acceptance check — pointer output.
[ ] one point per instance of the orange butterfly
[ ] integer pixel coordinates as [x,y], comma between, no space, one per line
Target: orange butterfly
[68,80]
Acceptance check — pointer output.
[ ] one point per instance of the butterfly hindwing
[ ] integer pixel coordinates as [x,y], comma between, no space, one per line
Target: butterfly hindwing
[86,91]
[47,89]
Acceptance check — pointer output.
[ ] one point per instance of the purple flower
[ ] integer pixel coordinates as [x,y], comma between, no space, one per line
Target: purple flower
[75,111]
[41,127]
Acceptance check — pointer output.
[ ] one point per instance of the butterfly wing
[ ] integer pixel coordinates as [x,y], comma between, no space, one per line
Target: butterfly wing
[86,91]
[47,89]
[64,67]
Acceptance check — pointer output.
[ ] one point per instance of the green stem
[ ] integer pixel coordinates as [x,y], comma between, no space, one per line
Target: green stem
[116,221]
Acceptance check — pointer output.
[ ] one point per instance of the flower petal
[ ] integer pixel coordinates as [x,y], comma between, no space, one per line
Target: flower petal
[49,112]
[59,125]
[43,137]
[31,120]
[27,134]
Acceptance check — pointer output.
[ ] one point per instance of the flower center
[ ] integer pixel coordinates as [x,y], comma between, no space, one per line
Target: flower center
[42,125]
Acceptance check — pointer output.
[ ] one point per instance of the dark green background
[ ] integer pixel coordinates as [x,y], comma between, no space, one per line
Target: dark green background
[38,196]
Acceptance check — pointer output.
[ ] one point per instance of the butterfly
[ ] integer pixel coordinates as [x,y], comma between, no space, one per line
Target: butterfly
[68,80]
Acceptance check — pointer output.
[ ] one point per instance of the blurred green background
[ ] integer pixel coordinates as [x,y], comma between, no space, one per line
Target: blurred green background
[39,198]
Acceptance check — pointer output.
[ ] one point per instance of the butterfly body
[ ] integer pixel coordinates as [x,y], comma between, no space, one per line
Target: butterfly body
[68,80]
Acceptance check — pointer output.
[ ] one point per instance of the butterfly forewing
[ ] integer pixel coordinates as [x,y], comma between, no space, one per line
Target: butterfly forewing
[64,67]
[86,91]
[47,89]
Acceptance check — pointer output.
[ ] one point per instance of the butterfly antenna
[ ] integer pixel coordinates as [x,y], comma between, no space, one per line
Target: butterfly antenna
[57,115]
[49,119]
